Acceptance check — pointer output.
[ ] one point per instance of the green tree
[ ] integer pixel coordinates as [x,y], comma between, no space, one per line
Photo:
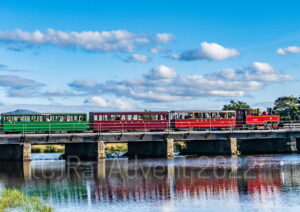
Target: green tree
[287,107]
[234,105]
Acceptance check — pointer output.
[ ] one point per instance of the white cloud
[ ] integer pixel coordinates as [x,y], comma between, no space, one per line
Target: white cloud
[103,41]
[164,84]
[227,93]
[164,37]
[265,72]
[262,67]
[288,50]
[161,72]
[111,103]
[138,58]
[207,51]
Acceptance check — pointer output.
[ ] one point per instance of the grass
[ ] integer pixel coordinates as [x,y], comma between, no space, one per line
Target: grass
[13,199]
[115,148]
[48,149]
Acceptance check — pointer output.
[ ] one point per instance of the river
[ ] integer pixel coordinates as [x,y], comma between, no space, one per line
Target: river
[246,183]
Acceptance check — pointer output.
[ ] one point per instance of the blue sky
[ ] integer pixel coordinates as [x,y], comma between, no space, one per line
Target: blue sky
[136,55]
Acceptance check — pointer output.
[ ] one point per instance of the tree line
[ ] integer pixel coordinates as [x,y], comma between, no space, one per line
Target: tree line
[288,107]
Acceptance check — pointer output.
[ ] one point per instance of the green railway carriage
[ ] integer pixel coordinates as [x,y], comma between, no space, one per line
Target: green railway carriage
[43,122]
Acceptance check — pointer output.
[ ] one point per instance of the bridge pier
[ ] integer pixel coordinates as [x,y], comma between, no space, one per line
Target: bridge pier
[150,149]
[15,152]
[233,146]
[293,143]
[85,151]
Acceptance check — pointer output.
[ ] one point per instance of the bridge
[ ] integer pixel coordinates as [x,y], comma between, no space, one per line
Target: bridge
[90,145]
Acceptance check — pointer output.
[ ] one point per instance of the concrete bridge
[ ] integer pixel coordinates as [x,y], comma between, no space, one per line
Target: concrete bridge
[155,144]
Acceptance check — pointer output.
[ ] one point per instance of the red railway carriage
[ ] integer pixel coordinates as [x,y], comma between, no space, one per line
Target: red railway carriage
[203,119]
[104,121]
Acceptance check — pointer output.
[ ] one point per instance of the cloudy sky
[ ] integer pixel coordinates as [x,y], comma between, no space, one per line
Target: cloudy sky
[134,55]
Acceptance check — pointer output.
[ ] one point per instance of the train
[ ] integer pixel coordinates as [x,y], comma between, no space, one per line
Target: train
[136,121]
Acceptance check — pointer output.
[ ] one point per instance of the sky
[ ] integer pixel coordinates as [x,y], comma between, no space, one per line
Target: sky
[146,55]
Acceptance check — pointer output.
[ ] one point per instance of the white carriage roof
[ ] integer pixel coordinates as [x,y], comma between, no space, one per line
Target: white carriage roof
[203,111]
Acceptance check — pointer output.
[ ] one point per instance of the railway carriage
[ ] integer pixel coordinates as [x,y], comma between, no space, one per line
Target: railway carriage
[42,122]
[202,119]
[109,121]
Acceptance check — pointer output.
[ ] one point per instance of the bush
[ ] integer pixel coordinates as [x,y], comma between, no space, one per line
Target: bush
[179,146]
[115,148]
[47,149]
[35,150]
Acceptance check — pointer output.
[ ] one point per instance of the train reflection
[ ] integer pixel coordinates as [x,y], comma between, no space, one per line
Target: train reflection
[260,179]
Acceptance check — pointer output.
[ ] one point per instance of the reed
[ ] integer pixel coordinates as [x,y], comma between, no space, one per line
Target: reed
[15,200]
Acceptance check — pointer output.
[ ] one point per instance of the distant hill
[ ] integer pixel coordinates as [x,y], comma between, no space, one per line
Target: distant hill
[22,111]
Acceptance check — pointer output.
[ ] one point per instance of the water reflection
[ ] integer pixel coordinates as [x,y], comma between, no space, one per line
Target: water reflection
[239,183]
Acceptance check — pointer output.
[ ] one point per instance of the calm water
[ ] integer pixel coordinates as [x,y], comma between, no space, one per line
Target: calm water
[260,183]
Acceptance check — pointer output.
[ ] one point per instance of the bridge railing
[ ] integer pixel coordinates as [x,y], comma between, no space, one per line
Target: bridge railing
[142,125]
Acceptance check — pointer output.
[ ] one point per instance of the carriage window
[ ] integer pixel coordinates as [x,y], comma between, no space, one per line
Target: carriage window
[9,118]
[56,118]
[71,118]
[95,118]
[188,116]
[100,118]
[231,115]
[135,117]
[149,117]
[180,115]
